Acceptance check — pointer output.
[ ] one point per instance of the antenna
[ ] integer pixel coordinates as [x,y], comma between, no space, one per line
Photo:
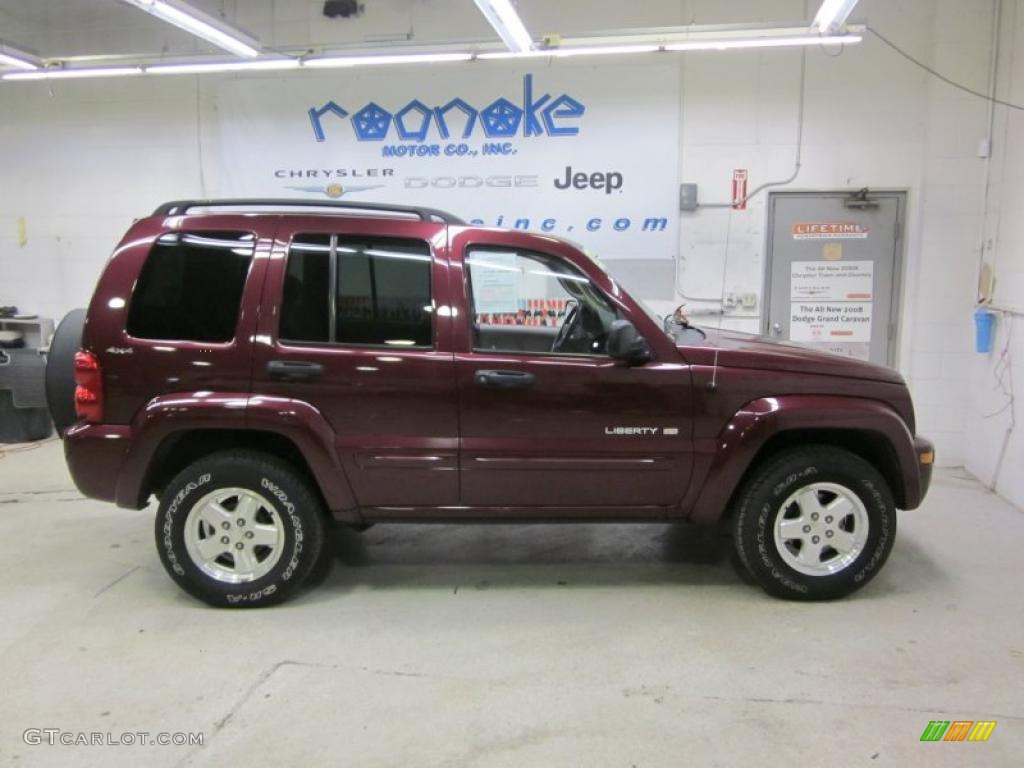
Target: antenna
[713,384]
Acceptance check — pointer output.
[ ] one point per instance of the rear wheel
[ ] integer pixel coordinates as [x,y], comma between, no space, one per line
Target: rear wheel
[239,529]
[814,523]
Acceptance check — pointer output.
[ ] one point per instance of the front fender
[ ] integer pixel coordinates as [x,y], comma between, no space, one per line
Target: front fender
[296,420]
[731,453]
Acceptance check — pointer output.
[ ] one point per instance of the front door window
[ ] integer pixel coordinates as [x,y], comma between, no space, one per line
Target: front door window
[530,302]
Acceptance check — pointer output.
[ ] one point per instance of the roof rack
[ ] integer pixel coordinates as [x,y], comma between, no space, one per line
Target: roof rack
[181,207]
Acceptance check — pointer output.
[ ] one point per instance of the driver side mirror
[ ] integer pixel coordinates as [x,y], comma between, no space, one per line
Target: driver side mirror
[625,343]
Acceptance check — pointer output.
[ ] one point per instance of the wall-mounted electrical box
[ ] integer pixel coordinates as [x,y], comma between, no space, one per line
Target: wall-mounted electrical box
[687,197]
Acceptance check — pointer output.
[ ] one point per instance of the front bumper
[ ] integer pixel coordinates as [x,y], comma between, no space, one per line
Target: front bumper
[95,454]
[924,450]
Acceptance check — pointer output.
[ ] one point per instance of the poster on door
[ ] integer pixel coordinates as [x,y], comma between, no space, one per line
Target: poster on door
[496,278]
[831,305]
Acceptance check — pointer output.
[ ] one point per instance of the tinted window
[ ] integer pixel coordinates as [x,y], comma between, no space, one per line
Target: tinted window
[305,308]
[381,292]
[191,286]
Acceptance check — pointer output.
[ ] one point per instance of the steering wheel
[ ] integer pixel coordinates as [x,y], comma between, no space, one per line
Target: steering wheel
[572,321]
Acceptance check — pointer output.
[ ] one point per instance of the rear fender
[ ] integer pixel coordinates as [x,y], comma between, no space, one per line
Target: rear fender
[730,454]
[296,420]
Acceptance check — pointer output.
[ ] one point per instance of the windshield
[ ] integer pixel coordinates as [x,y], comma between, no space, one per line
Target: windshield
[657,319]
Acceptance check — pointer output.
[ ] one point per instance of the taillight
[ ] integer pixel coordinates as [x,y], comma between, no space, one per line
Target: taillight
[89,387]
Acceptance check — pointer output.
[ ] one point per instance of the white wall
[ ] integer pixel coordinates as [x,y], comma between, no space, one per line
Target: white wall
[871,119]
[77,167]
[78,163]
[995,444]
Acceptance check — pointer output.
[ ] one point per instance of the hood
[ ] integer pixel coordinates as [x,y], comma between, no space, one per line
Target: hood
[747,350]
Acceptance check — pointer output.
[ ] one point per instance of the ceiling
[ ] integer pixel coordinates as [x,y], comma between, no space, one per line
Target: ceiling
[74,28]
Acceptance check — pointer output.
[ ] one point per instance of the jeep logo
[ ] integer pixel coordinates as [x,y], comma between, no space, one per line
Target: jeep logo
[609,181]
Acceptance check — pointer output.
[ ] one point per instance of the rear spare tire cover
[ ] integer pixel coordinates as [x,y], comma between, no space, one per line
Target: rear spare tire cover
[60,369]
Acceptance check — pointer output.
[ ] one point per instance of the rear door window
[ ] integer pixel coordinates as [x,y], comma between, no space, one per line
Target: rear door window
[358,291]
[191,287]
[305,306]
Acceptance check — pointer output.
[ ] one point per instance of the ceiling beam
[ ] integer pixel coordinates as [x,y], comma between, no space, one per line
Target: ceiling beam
[832,15]
[16,58]
[201,24]
[506,22]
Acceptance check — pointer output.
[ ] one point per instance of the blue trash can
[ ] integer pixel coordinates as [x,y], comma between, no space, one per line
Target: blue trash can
[984,324]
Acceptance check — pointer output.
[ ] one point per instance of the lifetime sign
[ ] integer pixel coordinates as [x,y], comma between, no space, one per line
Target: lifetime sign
[415,121]
[829,230]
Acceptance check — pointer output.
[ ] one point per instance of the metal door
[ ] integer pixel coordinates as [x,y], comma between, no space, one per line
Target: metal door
[833,268]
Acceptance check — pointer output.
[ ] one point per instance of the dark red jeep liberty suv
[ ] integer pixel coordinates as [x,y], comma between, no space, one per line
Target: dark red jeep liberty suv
[266,367]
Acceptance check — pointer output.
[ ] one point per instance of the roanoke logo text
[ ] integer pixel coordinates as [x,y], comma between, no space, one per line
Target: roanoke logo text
[532,115]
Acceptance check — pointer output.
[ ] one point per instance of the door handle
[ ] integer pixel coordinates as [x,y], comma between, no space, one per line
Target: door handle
[777,329]
[293,370]
[504,379]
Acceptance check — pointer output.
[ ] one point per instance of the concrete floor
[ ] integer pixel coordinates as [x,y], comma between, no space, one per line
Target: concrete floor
[507,646]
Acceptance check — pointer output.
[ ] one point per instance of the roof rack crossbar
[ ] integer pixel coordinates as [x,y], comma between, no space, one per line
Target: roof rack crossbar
[181,207]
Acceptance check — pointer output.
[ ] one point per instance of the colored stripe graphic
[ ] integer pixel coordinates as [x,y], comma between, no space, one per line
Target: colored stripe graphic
[982,730]
[958,730]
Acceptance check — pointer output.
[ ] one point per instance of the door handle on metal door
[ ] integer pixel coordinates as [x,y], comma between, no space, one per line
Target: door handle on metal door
[293,370]
[777,329]
[504,379]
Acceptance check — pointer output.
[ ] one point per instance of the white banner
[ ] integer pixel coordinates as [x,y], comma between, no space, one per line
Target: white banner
[568,150]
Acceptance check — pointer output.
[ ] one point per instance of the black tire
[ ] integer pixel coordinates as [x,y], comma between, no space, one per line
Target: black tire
[60,369]
[760,504]
[280,487]
[741,568]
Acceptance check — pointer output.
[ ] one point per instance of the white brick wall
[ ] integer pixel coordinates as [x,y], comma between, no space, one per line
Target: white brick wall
[994,452]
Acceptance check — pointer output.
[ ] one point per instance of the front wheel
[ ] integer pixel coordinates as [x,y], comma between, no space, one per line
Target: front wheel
[239,529]
[814,523]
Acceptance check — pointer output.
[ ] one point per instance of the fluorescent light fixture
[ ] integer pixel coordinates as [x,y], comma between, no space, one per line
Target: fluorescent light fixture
[365,61]
[6,60]
[763,42]
[224,66]
[70,74]
[506,22]
[561,53]
[200,24]
[833,14]
[13,57]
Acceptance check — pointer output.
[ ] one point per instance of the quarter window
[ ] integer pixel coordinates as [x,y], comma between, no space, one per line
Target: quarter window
[360,291]
[190,287]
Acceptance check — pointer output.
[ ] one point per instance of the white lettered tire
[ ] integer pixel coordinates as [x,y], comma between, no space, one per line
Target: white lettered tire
[814,523]
[239,529]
